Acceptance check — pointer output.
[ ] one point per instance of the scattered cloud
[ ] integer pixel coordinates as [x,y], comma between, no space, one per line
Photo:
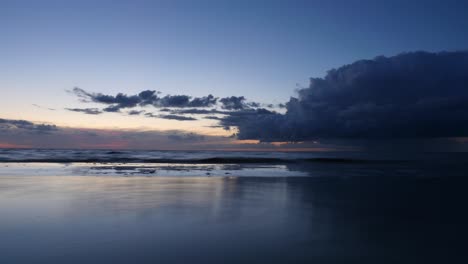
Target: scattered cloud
[135,112]
[177,106]
[42,107]
[89,111]
[177,117]
[144,98]
[233,103]
[205,101]
[195,111]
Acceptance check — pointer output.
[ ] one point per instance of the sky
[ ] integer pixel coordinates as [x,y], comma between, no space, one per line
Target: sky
[261,52]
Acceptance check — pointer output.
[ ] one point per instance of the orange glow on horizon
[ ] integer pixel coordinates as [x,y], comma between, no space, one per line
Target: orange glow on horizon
[245,141]
[9,145]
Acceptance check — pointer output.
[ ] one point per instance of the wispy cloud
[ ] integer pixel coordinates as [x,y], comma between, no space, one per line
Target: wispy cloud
[42,107]
[177,117]
[89,111]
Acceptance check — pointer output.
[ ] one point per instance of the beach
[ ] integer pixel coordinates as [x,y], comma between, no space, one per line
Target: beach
[389,213]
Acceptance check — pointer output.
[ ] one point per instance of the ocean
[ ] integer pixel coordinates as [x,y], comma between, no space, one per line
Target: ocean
[100,206]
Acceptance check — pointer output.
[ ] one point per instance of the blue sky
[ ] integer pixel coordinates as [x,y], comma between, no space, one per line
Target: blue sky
[257,49]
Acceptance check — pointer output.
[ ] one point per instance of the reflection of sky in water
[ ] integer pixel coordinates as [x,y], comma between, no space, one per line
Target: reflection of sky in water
[148,169]
[422,168]
[57,217]
[229,219]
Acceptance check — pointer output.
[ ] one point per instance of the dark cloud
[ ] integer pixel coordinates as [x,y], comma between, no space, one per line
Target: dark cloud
[177,107]
[144,98]
[89,111]
[182,101]
[15,126]
[135,112]
[233,103]
[148,97]
[213,117]
[116,102]
[195,111]
[253,104]
[205,101]
[281,105]
[411,95]
[174,101]
[112,109]
[177,117]
[246,120]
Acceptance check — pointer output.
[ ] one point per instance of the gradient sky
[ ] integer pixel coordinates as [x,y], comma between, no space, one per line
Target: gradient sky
[263,50]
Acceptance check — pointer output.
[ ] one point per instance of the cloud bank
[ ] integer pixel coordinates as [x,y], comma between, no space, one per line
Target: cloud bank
[411,95]
[23,126]
[23,133]
[26,134]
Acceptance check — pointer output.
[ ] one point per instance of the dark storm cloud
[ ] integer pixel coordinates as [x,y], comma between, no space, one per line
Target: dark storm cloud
[281,105]
[15,126]
[245,119]
[89,111]
[236,118]
[416,94]
[253,104]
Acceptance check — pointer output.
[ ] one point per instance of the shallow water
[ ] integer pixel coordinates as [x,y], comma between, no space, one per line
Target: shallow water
[335,219]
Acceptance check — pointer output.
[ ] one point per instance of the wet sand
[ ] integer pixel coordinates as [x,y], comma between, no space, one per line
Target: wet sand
[115,219]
